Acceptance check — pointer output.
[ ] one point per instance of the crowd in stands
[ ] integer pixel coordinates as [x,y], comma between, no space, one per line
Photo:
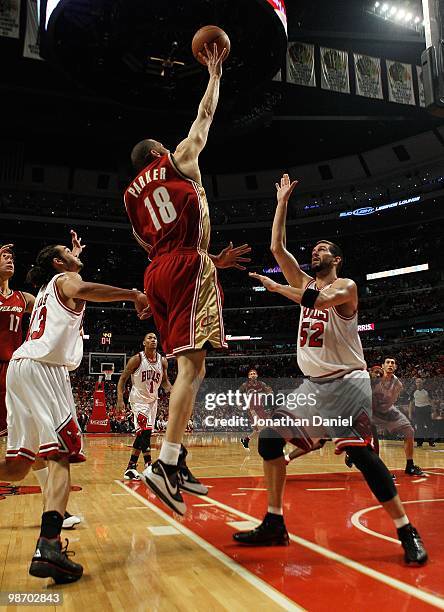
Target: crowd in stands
[425,361]
[63,205]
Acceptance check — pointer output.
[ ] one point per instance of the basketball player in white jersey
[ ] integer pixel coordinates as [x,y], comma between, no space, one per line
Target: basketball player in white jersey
[40,407]
[148,371]
[329,353]
[39,467]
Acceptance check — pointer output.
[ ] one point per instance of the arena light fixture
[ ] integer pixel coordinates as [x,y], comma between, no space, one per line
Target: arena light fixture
[400,14]
[398,271]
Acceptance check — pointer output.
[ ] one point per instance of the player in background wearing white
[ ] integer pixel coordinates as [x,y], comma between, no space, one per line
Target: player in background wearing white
[330,353]
[39,467]
[420,409]
[148,371]
[40,405]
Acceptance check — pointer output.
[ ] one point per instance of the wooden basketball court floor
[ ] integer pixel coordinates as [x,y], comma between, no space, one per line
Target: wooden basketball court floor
[137,555]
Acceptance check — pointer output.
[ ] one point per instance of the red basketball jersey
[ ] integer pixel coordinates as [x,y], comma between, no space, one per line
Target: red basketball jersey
[12,309]
[167,210]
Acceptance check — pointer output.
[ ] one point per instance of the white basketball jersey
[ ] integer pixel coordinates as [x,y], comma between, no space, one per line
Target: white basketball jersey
[55,331]
[146,380]
[329,344]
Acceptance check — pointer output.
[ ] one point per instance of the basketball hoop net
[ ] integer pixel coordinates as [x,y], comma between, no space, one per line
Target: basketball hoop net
[108,374]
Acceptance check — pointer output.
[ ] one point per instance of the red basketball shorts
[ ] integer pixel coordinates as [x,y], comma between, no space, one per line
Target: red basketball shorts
[3,370]
[186,301]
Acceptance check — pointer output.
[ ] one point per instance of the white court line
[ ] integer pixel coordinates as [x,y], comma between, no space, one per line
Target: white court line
[355,565]
[251,489]
[328,489]
[420,480]
[136,508]
[237,494]
[357,515]
[263,587]
[202,505]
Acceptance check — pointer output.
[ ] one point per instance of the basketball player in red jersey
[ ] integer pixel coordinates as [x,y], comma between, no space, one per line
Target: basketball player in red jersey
[386,390]
[168,210]
[330,355]
[11,337]
[254,387]
[13,305]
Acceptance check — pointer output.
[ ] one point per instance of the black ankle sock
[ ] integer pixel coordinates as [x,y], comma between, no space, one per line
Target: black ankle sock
[409,463]
[147,458]
[51,525]
[274,518]
[133,462]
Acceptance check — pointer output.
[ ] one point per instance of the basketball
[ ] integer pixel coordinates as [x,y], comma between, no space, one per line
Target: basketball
[209,34]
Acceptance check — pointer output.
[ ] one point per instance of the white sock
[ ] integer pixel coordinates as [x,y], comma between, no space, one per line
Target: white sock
[275,510]
[169,453]
[42,476]
[287,458]
[401,522]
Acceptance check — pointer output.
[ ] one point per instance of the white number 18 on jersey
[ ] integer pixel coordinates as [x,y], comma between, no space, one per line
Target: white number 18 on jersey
[165,207]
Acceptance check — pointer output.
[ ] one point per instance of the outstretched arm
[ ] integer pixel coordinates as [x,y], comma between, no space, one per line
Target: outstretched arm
[71,286]
[287,263]
[342,291]
[188,151]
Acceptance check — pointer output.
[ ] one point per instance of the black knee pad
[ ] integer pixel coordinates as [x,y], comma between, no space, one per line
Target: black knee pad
[374,471]
[271,444]
[145,440]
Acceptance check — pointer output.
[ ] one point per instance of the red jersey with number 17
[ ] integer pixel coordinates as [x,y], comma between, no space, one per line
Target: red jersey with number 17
[12,309]
[167,210]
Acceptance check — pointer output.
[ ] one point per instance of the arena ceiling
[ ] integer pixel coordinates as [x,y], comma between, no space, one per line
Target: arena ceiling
[66,120]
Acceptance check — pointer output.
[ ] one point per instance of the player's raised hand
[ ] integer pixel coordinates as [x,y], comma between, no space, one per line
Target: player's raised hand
[213,59]
[77,246]
[270,285]
[285,188]
[231,257]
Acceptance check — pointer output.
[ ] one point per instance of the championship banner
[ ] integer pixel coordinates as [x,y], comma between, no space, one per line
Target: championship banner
[278,76]
[368,76]
[400,83]
[301,65]
[99,420]
[31,46]
[9,18]
[334,70]
[420,86]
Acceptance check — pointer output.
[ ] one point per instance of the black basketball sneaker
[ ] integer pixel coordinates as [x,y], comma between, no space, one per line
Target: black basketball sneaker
[50,560]
[414,550]
[268,533]
[188,482]
[163,480]
[414,470]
